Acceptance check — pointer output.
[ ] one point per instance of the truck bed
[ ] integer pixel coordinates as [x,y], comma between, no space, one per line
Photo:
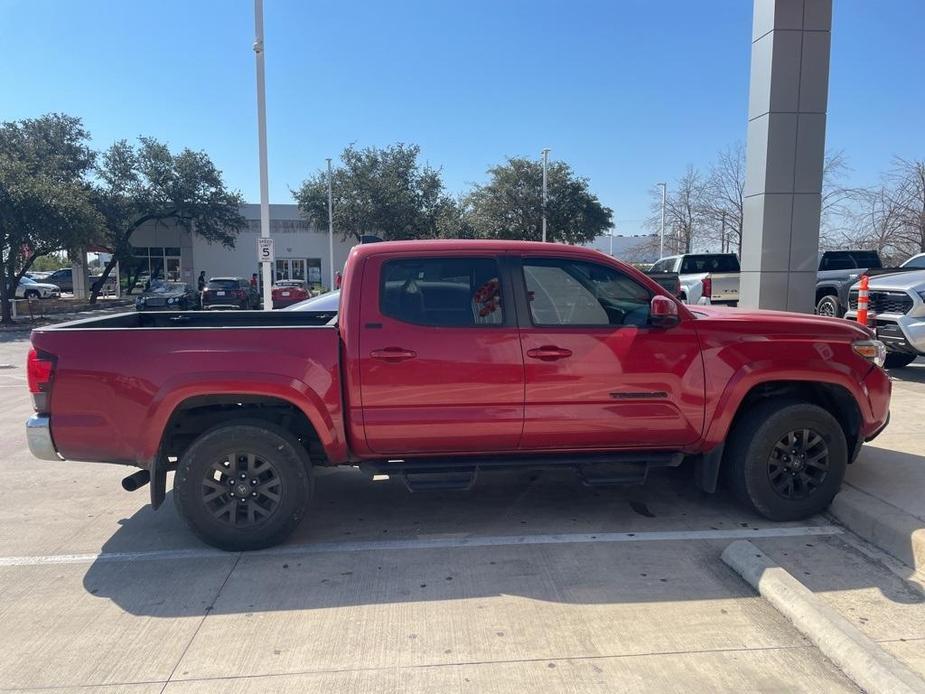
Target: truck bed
[200,319]
[119,378]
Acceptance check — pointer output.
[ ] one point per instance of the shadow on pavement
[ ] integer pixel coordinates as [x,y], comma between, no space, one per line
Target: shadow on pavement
[914,373]
[348,507]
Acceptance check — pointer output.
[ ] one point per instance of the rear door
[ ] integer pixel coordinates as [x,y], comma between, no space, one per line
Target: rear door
[440,363]
[597,374]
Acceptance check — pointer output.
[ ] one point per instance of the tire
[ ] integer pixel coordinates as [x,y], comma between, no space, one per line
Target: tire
[897,360]
[274,463]
[758,470]
[828,306]
[32,294]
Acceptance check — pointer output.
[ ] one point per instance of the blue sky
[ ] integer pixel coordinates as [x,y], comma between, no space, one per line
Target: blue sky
[628,92]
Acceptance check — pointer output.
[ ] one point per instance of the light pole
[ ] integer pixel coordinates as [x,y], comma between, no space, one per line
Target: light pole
[545,163]
[331,221]
[262,146]
[661,231]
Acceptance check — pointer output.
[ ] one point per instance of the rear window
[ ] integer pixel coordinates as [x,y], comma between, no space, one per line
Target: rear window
[849,260]
[714,262]
[665,265]
[452,292]
[223,284]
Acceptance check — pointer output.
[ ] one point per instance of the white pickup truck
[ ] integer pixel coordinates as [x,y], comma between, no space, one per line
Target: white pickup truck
[706,278]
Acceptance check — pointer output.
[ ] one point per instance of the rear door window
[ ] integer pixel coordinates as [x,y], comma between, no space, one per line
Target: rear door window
[448,292]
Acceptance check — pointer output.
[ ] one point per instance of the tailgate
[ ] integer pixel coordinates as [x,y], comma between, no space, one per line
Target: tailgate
[725,286]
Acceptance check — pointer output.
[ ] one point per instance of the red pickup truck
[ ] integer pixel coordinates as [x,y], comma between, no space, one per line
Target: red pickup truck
[447,358]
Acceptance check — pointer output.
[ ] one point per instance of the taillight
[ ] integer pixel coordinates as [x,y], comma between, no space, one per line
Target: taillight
[707,288]
[40,368]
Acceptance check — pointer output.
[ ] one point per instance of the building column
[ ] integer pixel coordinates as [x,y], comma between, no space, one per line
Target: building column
[785,150]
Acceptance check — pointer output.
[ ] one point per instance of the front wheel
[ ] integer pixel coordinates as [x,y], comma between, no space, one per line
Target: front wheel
[786,459]
[828,306]
[243,486]
[32,294]
[897,360]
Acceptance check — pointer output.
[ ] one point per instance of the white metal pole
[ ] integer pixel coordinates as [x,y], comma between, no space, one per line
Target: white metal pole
[262,144]
[545,161]
[611,243]
[331,223]
[661,232]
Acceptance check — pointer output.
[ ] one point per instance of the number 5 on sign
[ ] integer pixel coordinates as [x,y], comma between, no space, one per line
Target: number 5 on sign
[265,252]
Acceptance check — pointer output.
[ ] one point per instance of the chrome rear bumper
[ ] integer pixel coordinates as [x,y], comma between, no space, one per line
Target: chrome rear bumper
[38,435]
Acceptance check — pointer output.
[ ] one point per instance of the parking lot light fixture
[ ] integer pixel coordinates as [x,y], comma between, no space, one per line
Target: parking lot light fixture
[545,164]
[262,146]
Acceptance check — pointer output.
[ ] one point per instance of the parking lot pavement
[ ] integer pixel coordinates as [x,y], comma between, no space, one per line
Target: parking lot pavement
[530,582]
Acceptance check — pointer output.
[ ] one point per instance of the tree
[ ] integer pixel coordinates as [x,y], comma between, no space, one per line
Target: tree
[45,200]
[907,179]
[687,214]
[147,183]
[724,198]
[385,192]
[510,205]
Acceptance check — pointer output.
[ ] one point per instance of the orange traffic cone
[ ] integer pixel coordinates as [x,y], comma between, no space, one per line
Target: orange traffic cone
[863,300]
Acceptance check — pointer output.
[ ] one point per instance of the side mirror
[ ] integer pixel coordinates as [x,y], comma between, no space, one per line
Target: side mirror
[663,312]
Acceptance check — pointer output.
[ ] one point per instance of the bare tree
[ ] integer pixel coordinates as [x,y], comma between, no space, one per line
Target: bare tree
[724,198]
[871,220]
[907,180]
[685,222]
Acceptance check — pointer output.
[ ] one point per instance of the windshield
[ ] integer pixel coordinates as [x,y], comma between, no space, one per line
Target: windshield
[325,302]
[162,287]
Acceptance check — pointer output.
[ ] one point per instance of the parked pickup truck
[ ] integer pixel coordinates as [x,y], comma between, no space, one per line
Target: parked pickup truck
[449,358]
[706,278]
[838,270]
[896,311]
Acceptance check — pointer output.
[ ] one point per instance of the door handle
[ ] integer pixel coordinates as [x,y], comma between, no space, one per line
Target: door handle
[549,353]
[393,354]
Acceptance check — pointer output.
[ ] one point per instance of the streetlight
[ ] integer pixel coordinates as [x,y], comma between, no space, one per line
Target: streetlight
[331,221]
[545,163]
[661,232]
[262,146]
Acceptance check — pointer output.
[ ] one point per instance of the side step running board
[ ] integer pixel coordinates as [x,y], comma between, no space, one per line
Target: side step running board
[460,473]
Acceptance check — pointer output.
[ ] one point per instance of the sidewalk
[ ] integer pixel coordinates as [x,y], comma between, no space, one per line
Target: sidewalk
[884,496]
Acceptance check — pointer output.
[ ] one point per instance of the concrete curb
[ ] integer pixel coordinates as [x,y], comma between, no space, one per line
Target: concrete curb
[859,657]
[894,531]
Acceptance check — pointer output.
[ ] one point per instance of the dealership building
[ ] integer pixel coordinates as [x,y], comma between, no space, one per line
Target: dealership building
[301,250]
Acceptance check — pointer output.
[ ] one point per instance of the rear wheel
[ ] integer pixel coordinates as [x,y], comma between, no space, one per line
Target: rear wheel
[828,306]
[244,485]
[786,459]
[897,360]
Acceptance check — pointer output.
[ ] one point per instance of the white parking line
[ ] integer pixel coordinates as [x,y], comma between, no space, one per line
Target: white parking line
[431,543]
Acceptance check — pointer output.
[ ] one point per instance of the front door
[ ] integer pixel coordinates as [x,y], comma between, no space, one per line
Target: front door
[440,361]
[597,374]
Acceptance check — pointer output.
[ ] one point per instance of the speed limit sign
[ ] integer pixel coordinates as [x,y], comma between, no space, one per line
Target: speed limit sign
[265,252]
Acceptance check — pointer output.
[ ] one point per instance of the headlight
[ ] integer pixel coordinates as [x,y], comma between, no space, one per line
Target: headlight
[921,294]
[872,350]
[172,300]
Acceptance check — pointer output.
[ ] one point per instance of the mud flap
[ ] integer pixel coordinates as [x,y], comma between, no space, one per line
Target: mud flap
[706,471]
[158,481]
